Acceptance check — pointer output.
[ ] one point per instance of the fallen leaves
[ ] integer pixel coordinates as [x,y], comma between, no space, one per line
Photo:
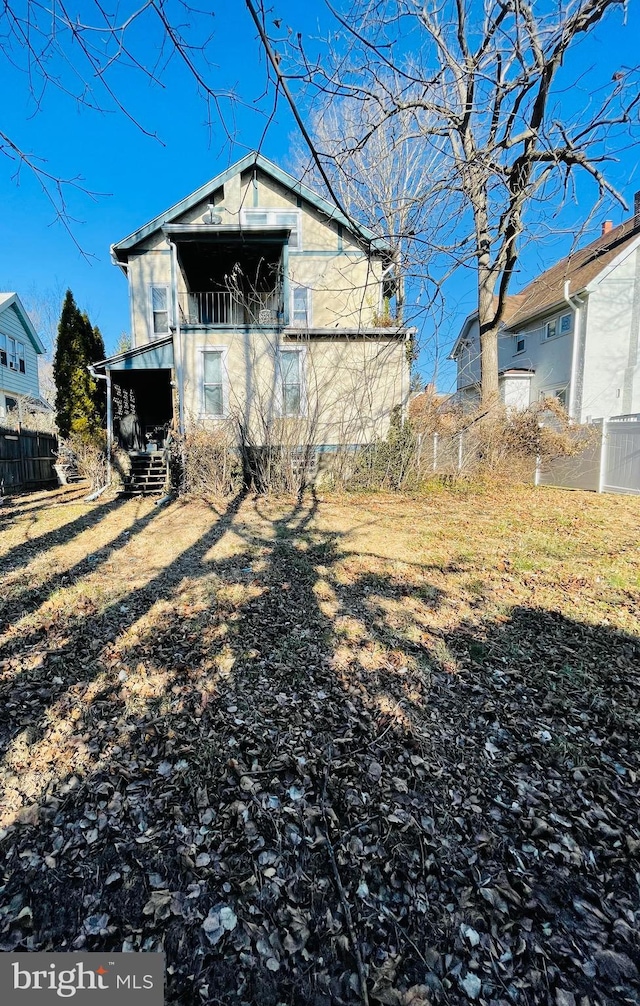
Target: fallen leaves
[407,795]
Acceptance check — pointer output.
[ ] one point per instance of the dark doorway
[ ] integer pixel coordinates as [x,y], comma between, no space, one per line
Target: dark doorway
[145,395]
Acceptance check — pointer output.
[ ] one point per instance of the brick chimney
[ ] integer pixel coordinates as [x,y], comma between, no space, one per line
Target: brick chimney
[608,225]
[636,210]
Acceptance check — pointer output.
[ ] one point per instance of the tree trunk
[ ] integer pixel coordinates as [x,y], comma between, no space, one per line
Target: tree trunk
[489,390]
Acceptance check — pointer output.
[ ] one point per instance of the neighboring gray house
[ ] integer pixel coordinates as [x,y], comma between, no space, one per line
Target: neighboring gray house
[20,348]
[572,333]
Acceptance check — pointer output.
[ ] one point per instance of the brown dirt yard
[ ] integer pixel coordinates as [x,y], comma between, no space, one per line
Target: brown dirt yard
[351,749]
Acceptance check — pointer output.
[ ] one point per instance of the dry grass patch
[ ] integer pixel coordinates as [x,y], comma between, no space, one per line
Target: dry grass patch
[421,713]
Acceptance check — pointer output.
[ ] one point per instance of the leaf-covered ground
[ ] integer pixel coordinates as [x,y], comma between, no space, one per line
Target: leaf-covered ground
[375,750]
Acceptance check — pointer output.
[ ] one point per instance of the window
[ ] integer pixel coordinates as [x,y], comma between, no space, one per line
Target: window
[213,383]
[160,310]
[16,356]
[558,326]
[300,306]
[3,351]
[560,393]
[291,382]
[276,218]
[566,323]
[520,344]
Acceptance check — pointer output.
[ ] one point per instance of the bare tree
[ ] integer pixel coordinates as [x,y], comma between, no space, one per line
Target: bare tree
[485,85]
[378,172]
[96,55]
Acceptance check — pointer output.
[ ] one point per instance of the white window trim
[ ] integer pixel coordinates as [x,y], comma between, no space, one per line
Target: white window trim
[553,392]
[159,286]
[302,351]
[19,353]
[558,319]
[309,319]
[523,339]
[271,213]
[224,351]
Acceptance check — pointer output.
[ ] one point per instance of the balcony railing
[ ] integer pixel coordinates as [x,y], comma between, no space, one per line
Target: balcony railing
[224,308]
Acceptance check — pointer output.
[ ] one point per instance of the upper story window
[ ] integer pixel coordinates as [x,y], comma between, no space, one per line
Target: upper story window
[561,325]
[300,306]
[12,354]
[521,343]
[160,310]
[276,218]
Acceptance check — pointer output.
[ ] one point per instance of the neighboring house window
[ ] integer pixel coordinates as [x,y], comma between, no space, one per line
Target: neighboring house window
[276,218]
[160,310]
[16,356]
[3,350]
[558,326]
[213,383]
[566,323]
[561,393]
[292,394]
[300,306]
[520,343]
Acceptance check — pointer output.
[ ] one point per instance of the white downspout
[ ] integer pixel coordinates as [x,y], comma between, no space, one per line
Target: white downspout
[177,335]
[576,304]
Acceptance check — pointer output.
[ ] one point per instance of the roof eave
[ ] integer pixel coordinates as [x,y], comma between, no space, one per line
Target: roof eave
[120,248]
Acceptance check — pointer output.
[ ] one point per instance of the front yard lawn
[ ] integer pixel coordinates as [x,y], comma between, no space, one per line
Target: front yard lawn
[354,749]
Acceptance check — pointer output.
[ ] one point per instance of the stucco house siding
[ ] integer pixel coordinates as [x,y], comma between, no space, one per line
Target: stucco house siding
[613,308]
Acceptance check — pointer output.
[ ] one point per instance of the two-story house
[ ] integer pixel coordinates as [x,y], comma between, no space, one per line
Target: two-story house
[20,348]
[572,333]
[257,306]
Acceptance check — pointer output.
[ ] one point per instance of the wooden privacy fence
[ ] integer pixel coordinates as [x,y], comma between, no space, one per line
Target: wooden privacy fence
[26,460]
[609,462]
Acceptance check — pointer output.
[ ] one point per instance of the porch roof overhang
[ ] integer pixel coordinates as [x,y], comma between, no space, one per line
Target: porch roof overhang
[157,355]
[227,233]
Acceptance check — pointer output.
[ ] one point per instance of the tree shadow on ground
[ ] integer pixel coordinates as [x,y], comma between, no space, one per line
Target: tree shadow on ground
[281,774]
[26,551]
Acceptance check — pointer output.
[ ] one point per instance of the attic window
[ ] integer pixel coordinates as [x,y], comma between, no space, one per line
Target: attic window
[276,218]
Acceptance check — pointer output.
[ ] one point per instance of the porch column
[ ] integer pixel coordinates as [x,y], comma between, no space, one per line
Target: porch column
[109,424]
[177,335]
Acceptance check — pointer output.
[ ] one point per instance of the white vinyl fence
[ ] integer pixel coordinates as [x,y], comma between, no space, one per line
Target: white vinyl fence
[610,461]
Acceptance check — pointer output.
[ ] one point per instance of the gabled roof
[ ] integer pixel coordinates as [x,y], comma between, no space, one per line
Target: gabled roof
[8,300]
[582,270]
[120,249]
[511,305]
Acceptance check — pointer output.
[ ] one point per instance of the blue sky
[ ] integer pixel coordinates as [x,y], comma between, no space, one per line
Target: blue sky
[136,176]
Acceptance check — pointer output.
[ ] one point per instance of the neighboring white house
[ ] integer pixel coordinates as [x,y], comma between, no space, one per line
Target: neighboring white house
[572,333]
[20,348]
